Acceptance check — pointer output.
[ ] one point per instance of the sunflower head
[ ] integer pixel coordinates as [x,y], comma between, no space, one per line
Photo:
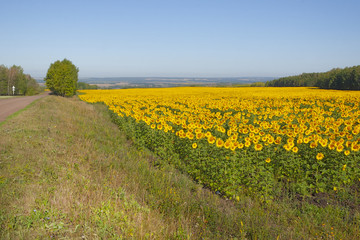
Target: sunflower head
[319,156]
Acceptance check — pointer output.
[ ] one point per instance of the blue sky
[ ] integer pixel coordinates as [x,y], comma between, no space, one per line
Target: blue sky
[181,38]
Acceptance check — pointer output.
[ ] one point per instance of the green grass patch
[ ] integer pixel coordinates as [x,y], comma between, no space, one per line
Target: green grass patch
[66,171]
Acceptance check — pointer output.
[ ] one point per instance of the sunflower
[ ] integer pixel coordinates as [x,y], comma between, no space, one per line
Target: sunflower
[199,135]
[194,145]
[355,147]
[211,139]
[324,142]
[319,156]
[295,149]
[339,148]
[190,135]
[268,160]
[313,145]
[219,143]
[258,147]
[227,144]
[331,146]
[287,147]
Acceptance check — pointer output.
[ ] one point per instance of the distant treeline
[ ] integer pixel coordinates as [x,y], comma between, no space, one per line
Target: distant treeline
[14,76]
[337,78]
[82,86]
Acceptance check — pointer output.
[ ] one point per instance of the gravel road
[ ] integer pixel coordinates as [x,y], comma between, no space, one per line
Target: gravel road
[9,106]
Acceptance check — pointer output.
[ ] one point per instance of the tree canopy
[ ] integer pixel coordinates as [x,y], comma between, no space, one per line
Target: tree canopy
[14,76]
[62,77]
[343,79]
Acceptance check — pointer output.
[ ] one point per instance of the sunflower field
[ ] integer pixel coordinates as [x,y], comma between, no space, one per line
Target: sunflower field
[252,140]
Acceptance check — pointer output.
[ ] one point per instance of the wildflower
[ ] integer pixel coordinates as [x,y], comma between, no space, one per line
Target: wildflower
[344,167]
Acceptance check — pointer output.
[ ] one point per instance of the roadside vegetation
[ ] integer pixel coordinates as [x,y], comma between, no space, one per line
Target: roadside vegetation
[66,171]
[15,77]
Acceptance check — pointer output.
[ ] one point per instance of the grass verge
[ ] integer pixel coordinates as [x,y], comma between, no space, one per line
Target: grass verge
[66,171]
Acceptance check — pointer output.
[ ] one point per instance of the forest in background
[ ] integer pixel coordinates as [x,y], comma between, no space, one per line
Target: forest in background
[14,76]
[338,78]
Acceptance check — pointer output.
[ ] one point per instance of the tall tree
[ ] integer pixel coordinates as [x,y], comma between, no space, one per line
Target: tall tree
[62,77]
[3,80]
[11,78]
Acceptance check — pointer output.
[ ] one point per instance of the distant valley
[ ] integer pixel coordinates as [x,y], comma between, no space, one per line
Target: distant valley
[149,82]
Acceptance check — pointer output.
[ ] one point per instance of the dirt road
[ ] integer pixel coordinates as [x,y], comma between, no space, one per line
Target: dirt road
[9,106]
